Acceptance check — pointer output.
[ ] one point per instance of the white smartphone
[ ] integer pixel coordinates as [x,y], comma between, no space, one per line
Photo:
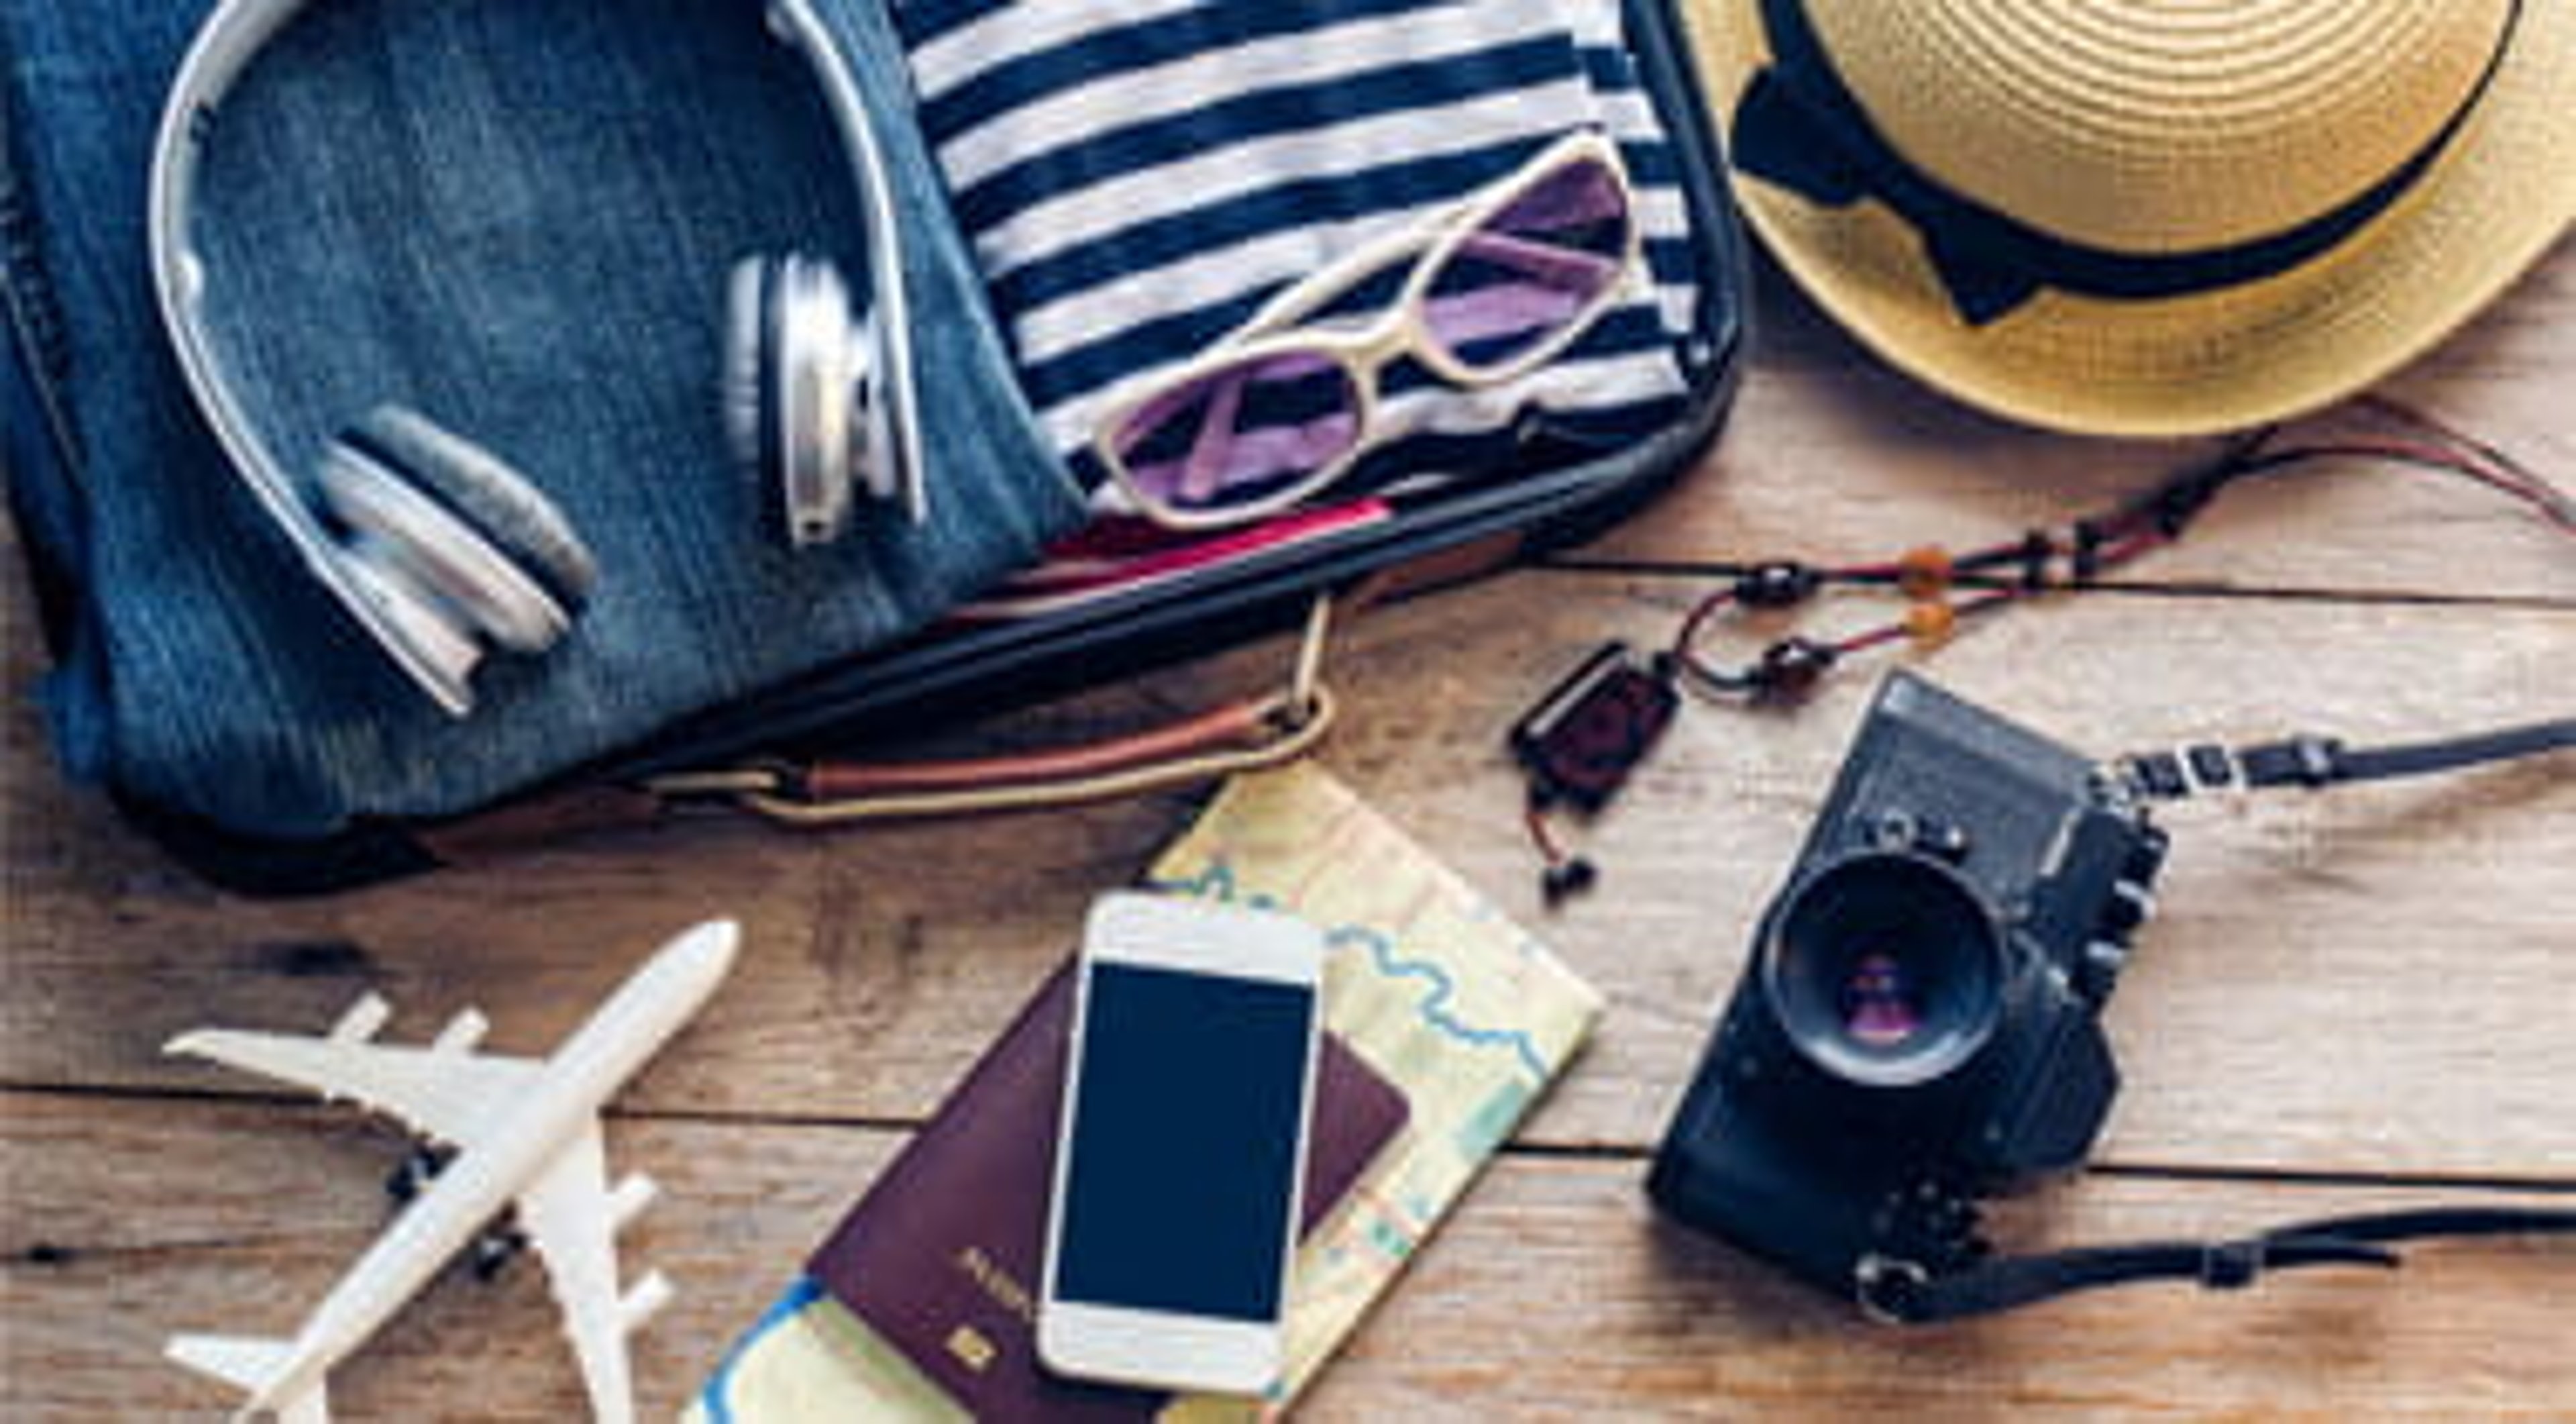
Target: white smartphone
[1181,1152]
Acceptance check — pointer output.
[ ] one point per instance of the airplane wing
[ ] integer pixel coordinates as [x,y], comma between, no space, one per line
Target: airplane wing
[571,1216]
[446,1091]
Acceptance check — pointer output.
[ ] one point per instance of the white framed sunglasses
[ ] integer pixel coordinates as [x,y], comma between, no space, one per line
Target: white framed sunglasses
[1505,280]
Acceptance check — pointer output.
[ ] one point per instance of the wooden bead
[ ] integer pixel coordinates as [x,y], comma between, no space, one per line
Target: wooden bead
[1931,623]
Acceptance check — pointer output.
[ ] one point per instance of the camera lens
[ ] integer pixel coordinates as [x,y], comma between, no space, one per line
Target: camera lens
[1885,969]
[1881,1006]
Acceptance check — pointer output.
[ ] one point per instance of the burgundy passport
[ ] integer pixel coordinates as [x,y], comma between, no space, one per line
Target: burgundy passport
[943,1255]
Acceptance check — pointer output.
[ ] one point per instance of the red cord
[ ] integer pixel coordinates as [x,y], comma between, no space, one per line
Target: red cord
[1540,836]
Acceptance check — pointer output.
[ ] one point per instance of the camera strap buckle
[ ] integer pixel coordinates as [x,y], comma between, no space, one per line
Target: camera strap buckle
[2313,762]
[2231,1265]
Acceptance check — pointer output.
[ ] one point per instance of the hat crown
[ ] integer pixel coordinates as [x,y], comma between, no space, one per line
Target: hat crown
[2156,126]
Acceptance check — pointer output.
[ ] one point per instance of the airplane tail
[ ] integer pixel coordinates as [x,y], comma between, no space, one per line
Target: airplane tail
[255,1367]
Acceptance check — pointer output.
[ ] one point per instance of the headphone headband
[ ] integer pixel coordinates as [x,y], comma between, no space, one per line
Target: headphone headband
[802,28]
[224,47]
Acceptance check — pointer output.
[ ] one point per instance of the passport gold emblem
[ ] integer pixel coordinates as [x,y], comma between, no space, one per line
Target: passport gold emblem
[1000,1285]
[972,1348]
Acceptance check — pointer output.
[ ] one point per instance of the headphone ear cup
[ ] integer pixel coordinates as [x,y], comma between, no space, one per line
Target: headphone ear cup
[438,513]
[748,402]
[796,372]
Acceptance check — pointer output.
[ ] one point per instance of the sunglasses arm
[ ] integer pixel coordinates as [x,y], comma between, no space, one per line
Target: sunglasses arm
[1216,428]
[1559,266]
[1302,298]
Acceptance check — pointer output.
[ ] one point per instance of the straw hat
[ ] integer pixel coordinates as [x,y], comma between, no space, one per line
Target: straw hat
[2143,217]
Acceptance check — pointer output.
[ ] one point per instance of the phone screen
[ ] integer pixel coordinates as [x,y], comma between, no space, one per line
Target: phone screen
[1189,1104]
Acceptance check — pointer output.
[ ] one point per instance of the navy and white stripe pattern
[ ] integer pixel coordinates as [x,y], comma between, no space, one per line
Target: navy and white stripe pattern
[1138,176]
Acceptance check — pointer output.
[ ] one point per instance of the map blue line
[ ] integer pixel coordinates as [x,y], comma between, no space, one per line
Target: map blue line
[1434,1006]
[1217,883]
[716,1396]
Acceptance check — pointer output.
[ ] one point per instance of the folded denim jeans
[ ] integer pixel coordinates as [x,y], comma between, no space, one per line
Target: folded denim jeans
[516,216]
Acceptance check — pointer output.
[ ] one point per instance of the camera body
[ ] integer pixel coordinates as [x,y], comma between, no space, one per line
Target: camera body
[1918,1024]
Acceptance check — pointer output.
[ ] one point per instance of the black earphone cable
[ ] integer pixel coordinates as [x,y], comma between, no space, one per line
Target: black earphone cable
[1946,589]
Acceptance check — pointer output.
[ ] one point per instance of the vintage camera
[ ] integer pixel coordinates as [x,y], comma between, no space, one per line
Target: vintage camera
[1918,1025]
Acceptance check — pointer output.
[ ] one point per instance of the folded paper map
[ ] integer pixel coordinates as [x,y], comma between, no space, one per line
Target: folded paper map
[1424,979]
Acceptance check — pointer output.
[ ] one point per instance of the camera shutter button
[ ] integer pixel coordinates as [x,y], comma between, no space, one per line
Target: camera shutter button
[1943,841]
[1924,835]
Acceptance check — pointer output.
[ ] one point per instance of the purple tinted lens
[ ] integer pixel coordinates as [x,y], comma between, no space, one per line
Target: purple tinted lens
[1241,433]
[1879,1005]
[1535,271]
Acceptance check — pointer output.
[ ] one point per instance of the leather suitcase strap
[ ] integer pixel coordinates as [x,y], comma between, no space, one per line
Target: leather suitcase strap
[1240,736]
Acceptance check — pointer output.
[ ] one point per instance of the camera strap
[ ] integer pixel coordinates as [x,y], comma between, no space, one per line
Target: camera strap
[1904,1292]
[2314,761]
[1590,732]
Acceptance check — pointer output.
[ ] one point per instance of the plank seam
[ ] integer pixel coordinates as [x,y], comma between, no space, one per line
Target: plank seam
[1540,1151]
[2134,588]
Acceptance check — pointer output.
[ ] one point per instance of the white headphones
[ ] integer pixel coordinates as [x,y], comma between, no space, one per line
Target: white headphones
[434,544]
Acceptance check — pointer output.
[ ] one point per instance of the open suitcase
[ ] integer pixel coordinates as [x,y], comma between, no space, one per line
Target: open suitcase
[203,679]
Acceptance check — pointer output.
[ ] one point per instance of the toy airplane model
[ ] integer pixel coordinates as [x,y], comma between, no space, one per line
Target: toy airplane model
[525,1132]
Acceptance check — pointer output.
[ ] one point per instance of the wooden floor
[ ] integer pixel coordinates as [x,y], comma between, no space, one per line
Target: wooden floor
[2348,1001]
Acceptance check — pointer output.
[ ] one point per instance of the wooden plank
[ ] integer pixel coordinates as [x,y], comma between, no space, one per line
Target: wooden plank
[1558,1294]
[2353,984]
[879,963]
[1553,1294]
[2427,911]
[1833,456]
[128,1221]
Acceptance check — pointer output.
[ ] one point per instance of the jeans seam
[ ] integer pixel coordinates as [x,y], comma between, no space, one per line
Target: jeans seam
[36,325]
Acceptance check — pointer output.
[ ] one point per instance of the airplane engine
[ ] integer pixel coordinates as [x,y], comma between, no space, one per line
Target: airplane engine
[645,1299]
[633,1193]
[463,1032]
[362,1020]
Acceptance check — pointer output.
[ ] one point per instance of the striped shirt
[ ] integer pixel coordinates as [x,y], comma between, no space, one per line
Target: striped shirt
[1138,176]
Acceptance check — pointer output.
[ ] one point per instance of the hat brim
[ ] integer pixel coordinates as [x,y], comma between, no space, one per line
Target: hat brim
[2492,205]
